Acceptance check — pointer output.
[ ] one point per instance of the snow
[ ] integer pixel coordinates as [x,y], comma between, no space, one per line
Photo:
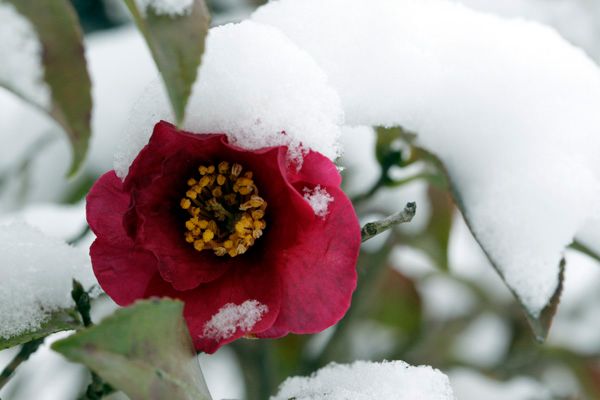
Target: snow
[364,380]
[256,98]
[59,221]
[37,273]
[319,200]
[172,8]
[21,69]
[232,317]
[508,106]
[559,14]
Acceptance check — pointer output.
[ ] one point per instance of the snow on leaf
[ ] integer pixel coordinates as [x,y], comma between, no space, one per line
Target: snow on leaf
[508,106]
[37,273]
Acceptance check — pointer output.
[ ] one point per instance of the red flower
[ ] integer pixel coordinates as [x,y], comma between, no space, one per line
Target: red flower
[230,232]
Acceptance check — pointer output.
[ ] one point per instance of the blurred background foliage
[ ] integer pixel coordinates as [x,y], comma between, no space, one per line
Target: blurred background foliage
[426,294]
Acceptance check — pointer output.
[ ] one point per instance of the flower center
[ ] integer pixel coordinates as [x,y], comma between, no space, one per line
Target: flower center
[226,212]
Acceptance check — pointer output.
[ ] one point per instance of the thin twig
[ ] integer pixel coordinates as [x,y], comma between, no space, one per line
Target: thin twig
[373,229]
[577,245]
[97,388]
[26,351]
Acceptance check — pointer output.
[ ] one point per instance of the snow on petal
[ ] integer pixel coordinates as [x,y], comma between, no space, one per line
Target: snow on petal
[37,273]
[232,317]
[319,199]
[21,69]
[254,85]
[508,105]
[364,380]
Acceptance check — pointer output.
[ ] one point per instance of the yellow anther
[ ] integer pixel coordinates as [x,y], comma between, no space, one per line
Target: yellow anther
[211,169]
[228,244]
[204,181]
[236,170]
[185,203]
[190,225]
[203,170]
[195,211]
[189,237]
[241,249]
[191,194]
[221,180]
[220,251]
[199,245]
[223,167]
[203,224]
[258,214]
[257,233]
[243,225]
[217,192]
[212,225]
[259,225]
[254,202]
[208,235]
[191,182]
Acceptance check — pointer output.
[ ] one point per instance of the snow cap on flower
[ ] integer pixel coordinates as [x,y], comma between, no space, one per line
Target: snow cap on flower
[255,85]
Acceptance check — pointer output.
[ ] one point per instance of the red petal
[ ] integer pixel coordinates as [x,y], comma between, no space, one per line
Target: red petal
[122,271]
[321,266]
[257,282]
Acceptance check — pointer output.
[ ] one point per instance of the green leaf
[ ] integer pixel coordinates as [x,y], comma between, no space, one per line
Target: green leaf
[65,70]
[177,44]
[144,350]
[63,320]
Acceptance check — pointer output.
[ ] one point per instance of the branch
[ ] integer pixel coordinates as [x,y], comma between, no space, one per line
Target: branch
[373,229]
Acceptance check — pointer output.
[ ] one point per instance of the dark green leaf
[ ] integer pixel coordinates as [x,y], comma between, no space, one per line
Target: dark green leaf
[177,45]
[144,350]
[63,320]
[65,69]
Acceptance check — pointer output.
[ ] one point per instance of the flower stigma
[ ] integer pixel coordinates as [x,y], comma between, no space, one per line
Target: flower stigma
[226,213]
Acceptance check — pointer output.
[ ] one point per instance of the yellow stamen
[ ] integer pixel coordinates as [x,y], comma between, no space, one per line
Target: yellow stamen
[226,212]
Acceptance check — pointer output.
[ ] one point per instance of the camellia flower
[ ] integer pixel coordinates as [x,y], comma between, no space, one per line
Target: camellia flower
[253,245]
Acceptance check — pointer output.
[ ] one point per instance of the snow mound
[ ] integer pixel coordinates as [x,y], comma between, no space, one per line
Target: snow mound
[507,105]
[364,380]
[254,85]
[37,273]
